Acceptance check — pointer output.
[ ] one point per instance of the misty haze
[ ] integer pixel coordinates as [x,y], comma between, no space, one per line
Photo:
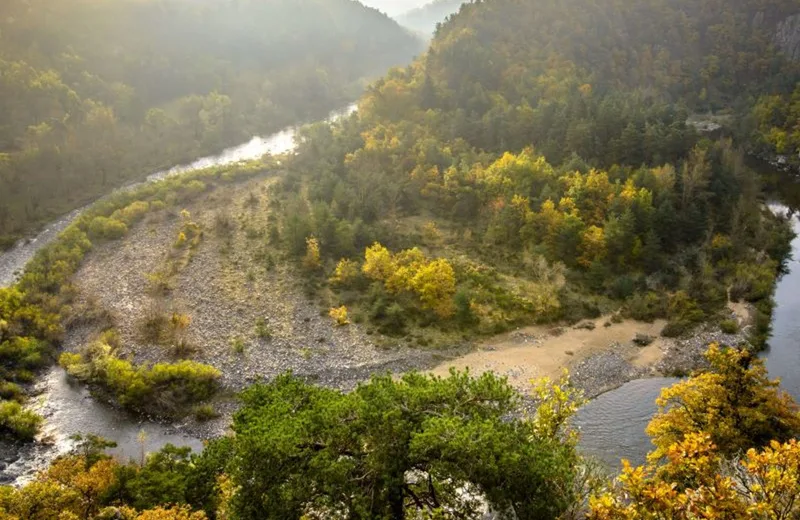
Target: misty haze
[399,259]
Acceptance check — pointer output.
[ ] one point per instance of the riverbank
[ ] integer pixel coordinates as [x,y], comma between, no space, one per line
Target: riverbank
[600,355]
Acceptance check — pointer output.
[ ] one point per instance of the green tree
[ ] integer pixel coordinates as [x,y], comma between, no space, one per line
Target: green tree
[395,448]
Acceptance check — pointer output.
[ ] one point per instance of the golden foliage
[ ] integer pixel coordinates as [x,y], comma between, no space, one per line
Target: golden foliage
[339,314]
[697,483]
[734,402]
[346,271]
[378,263]
[312,260]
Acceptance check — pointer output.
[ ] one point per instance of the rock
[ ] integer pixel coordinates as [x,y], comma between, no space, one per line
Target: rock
[643,340]
[787,37]
[585,325]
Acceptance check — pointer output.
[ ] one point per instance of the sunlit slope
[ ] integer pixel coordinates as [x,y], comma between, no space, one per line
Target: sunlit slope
[93,93]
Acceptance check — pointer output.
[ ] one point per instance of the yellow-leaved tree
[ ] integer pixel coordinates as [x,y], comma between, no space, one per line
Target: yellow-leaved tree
[435,284]
[378,263]
[734,402]
[312,261]
[696,482]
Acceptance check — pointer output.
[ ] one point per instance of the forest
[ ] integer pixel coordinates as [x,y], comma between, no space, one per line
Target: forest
[551,171]
[537,164]
[96,94]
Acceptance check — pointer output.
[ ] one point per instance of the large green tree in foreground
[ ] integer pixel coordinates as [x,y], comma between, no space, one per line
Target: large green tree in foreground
[392,447]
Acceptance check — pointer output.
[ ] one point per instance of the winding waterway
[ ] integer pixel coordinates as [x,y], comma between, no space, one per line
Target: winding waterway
[612,425]
[67,407]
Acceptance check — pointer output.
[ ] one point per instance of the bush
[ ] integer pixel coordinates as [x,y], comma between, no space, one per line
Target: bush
[646,307]
[675,329]
[237,344]
[464,314]
[262,329]
[339,315]
[22,423]
[729,326]
[104,228]
[163,389]
[205,412]
[132,213]
[11,392]
[754,282]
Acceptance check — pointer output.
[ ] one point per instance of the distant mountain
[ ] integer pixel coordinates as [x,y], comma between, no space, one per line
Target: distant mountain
[424,19]
[394,7]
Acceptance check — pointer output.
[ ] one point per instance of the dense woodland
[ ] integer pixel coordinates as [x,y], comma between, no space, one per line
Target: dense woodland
[542,155]
[777,134]
[94,94]
[535,165]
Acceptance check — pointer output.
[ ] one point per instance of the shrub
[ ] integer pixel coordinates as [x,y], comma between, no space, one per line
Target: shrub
[237,344]
[346,272]
[646,307]
[464,314]
[104,228]
[164,388]
[339,315]
[262,329]
[205,412]
[16,420]
[753,282]
[132,213]
[11,391]
[729,326]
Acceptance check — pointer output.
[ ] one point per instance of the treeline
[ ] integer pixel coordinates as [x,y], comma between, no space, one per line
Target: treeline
[534,136]
[94,94]
[777,128]
[447,448]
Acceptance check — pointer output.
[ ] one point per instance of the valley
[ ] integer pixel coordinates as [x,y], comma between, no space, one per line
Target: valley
[559,237]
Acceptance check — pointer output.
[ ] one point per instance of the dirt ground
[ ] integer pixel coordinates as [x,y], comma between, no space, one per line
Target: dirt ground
[535,352]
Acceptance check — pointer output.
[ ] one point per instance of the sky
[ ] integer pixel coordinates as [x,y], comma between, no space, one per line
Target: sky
[395,7]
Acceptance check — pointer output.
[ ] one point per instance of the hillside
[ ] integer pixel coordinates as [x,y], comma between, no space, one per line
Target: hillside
[425,19]
[536,165]
[94,94]
[533,193]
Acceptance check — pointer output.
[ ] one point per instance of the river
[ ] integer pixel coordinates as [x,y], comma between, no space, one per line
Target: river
[67,407]
[612,425]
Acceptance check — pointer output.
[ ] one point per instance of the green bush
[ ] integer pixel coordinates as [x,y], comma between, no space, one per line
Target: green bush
[104,228]
[675,329]
[132,213]
[646,307]
[262,329]
[163,389]
[11,391]
[729,326]
[754,282]
[205,412]
[14,419]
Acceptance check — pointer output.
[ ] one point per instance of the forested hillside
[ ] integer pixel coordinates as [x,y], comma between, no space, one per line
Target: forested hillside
[425,19]
[94,93]
[536,164]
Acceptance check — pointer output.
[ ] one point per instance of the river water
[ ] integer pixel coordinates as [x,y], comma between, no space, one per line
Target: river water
[612,425]
[67,407]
